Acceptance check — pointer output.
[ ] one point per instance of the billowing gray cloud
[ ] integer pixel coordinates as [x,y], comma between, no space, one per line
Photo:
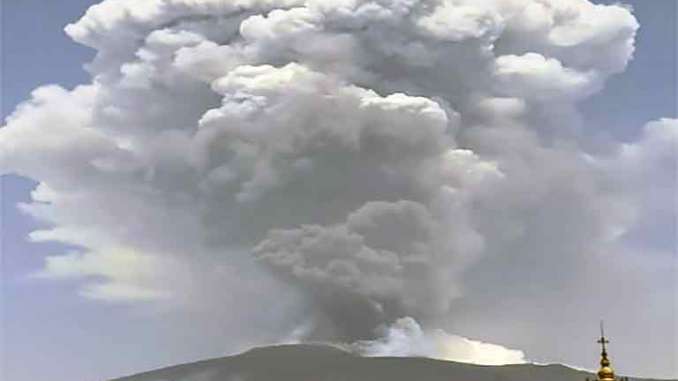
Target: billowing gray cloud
[397,256]
[349,161]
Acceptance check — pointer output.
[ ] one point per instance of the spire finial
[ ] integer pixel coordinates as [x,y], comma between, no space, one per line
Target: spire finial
[603,341]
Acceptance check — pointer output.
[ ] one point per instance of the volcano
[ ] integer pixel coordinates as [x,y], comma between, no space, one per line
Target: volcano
[311,362]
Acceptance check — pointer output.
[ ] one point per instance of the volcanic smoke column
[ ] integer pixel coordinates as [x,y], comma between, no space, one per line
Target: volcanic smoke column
[346,163]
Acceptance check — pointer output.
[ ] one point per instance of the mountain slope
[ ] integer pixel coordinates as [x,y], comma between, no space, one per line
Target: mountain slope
[323,363]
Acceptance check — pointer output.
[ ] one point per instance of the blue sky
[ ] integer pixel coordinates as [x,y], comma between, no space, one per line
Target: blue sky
[51,334]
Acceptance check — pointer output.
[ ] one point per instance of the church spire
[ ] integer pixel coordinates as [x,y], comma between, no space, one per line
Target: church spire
[605,373]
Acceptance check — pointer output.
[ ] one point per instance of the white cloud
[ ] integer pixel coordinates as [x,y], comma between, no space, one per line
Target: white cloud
[406,338]
[120,269]
[534,77]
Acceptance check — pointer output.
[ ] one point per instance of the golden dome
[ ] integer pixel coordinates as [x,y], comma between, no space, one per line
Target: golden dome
[605,373]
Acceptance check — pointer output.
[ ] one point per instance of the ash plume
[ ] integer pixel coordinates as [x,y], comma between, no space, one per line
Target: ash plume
[346,164]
